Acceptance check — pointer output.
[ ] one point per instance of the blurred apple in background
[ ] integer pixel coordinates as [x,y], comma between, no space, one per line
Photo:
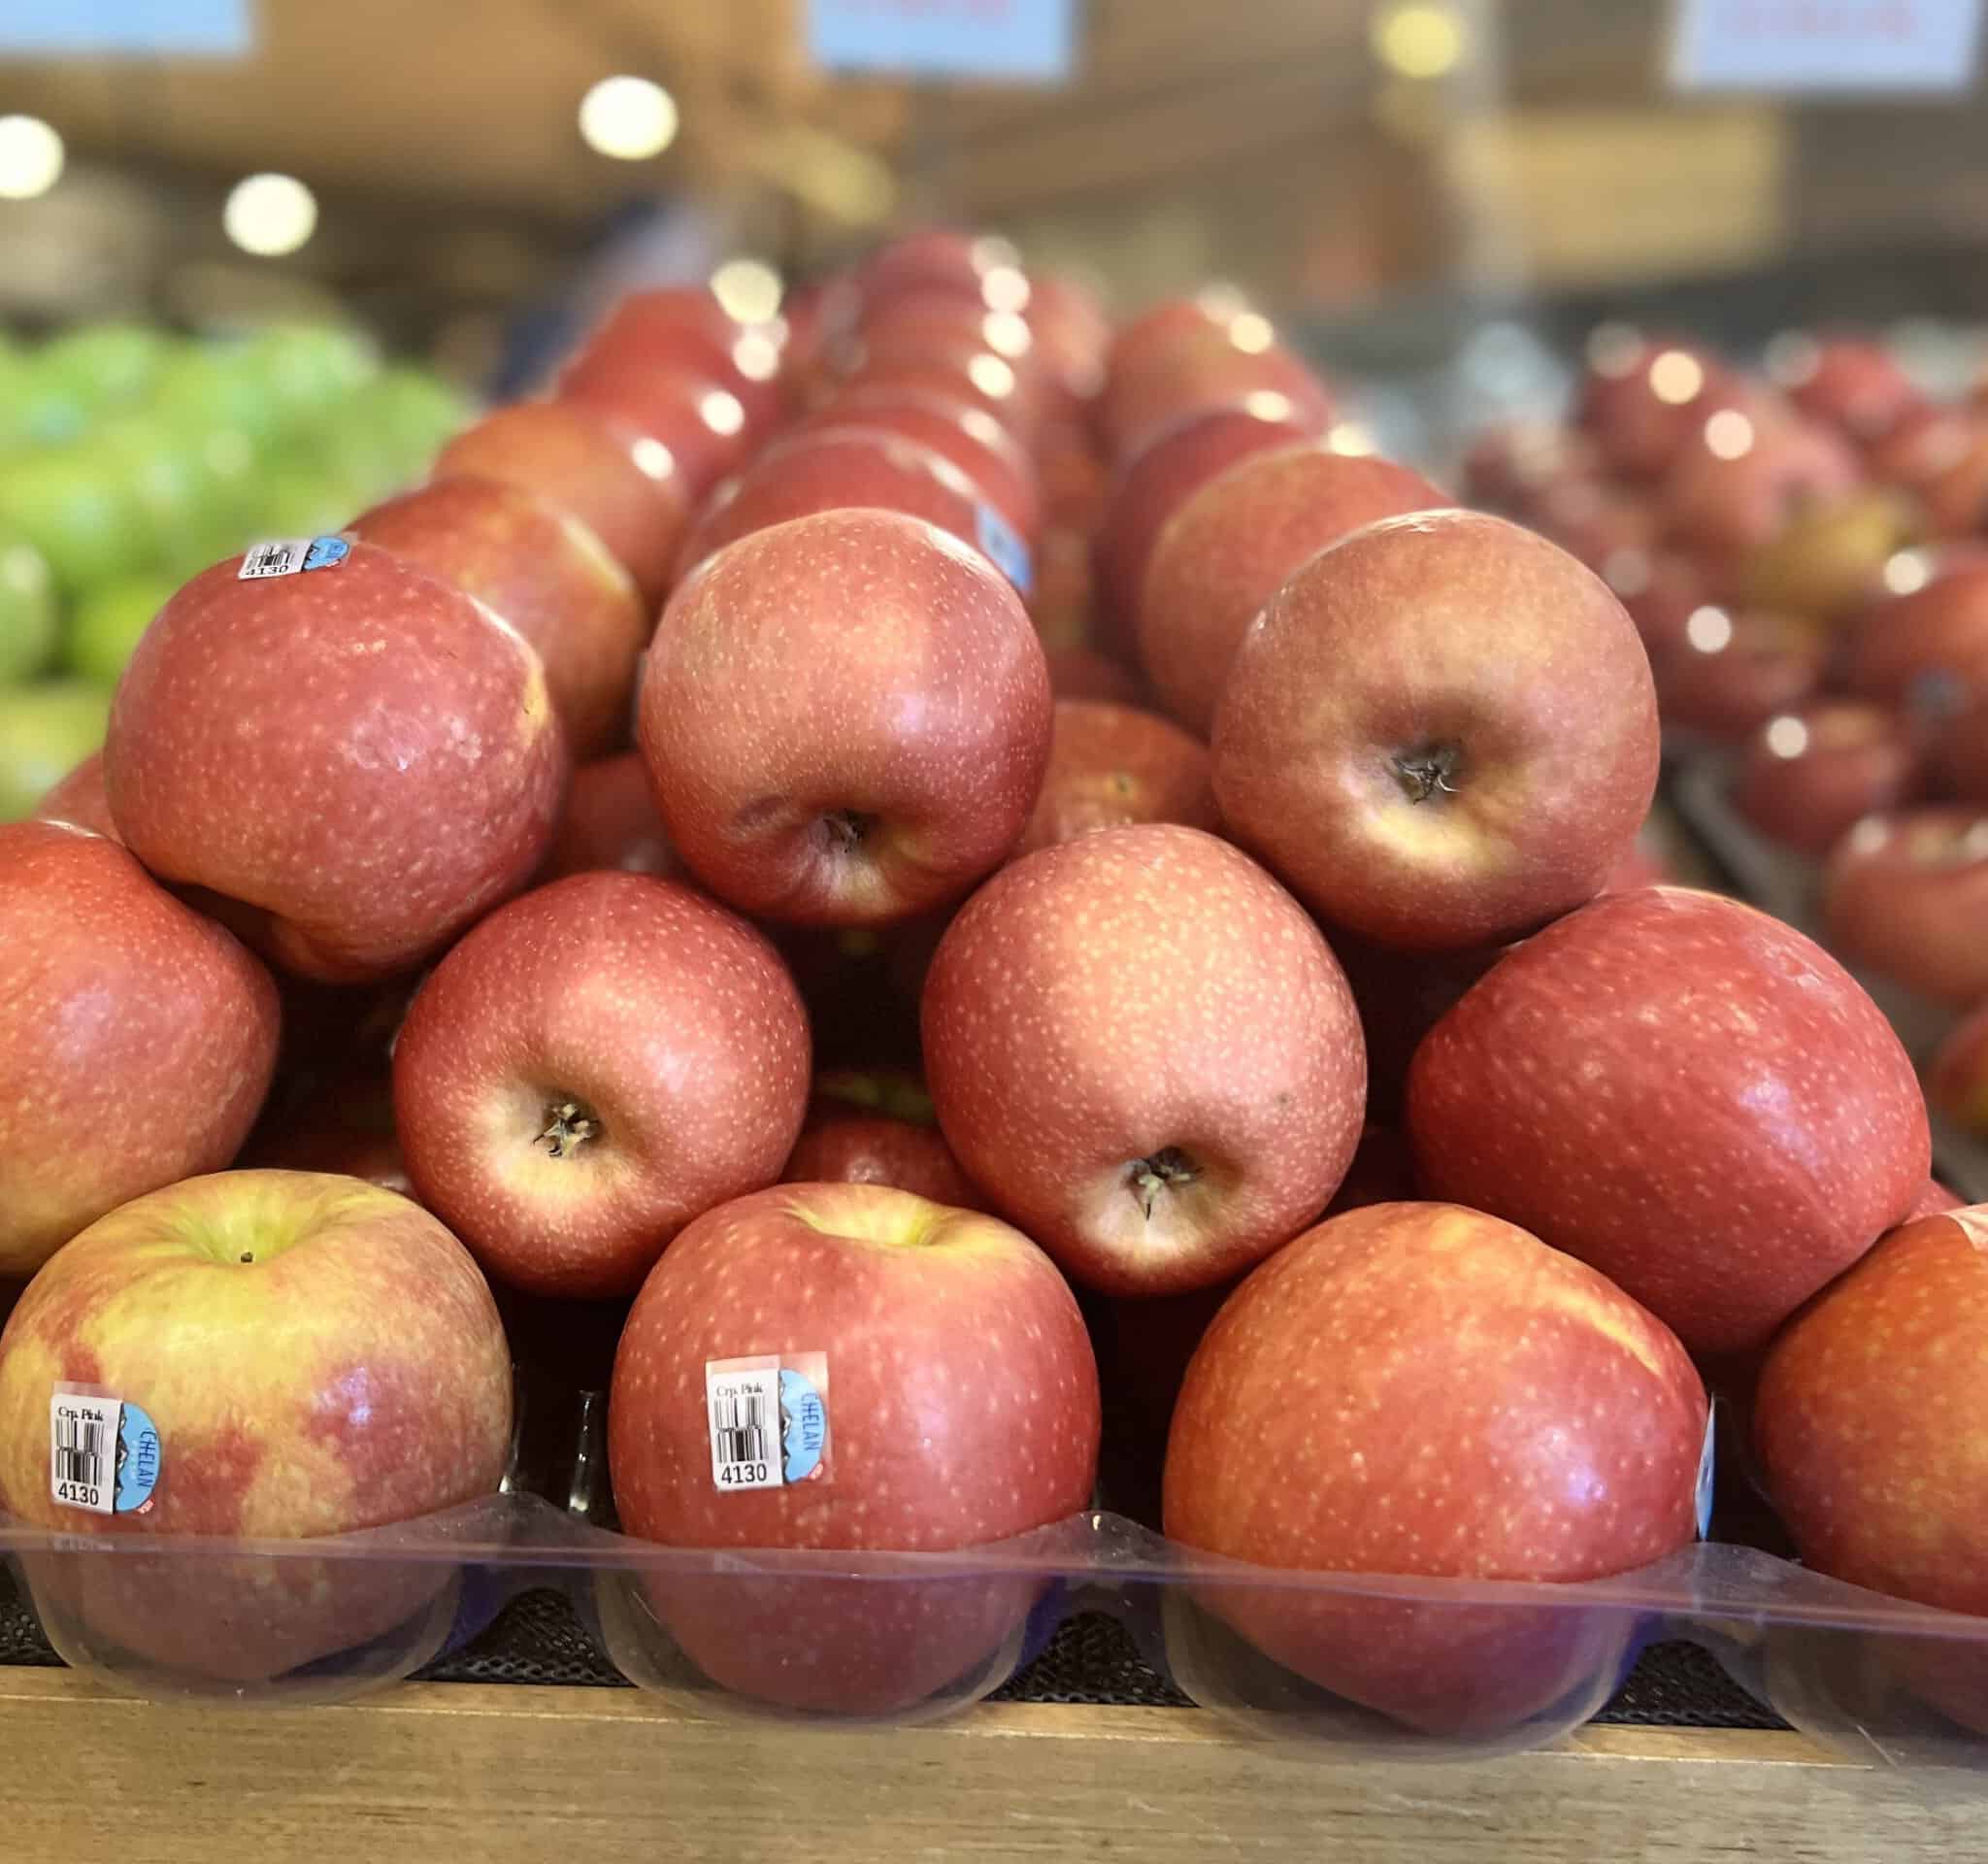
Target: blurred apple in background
[1111,765]
[1641,398]
[1085,673]
[29,620]
[610,821]
[1827,559]
[1737,669]
[843,1146]
[46,729]
[1929,627]
[1957,1083]
[1959,754]
[82,799]
[106,624]
[1808,775]
[1907,894]
[1853,382]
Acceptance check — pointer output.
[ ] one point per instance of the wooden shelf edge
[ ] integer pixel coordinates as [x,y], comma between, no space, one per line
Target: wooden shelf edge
[507,1772]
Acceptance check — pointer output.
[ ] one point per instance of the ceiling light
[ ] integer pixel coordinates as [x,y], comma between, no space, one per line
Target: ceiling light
[1419,41]
[269,215]
[30,157]
[629,118]
[750,289]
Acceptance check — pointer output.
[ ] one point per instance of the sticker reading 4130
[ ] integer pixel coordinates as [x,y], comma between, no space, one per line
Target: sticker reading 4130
[768,1417]
[291,556]
[103,1453]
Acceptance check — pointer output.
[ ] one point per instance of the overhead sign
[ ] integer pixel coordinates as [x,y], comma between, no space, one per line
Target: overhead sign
[1002,41]
[1845,47]
[98,28]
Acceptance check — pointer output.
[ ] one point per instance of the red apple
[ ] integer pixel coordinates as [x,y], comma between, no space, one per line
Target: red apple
[1143,340]
[1213,369]
[956,370]
[1511,466]
[623,487]
[1101,1101]
[1642,398]
[80,798]
[1683,1092]
[1957,1083]
[678,333]
[838,469]
[1745,473]
[610,821]
[1082,673]
[343,1125]
[1907,895]
[1440,732]
[1808,775]
[838,1147]
[705,428]
[593,1066]
[1231,546]
[315,1355]
[547,575]
[1853,382]
[141,1034]
[1737,670]
[1929,630]
[1661,592]
[1933,1200]
[1062,600]
[1073,477]
[1109,765]
[1417,1388]
[961,1403]
[1073,331]
[845,719]
[1167,471]
[1401,996]
[361,759]
[945,258]
[1959,754]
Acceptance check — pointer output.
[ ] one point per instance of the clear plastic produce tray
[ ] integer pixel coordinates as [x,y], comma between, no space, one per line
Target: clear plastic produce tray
[1412,1667]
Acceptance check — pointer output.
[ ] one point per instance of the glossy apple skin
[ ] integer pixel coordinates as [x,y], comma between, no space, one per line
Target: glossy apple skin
[958,369]
[353,1374]
[1112,765]
[1855,760]
[962,1409]
[1959,754]
[1204,368]
[1231,546]
[699,421]
[629,494]
[141,1034]
[82,799]
[1957,1083]
[671,1023]
[547,575]
[1446,635]
[363,760]
[1418,1389]
[1638,432]
[610,821]
[1768,664]
[1153,485]
[1907,894]
[1686,1093]
[1231,1043]
[1936,633]
[846,1147]
[846,720]
[671,335]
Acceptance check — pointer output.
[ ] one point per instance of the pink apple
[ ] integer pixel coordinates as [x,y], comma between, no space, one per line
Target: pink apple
[1441,733]
[610,821]
[593,1066]
[1931,631]
[842,1146]
[1683,1092]
[1808,775]
[141,1034]
[704,426]
[1957,1083]
[1905,895]
[1096,1100]
[1210,369]
[80,798]
[1111,765]
[1853,382]
[315,1355]
[960,1404]
[1082,673]
[1737,669]
[845,719]
[359,759]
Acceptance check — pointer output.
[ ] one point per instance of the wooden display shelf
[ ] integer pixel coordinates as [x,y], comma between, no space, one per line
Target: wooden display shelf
[471,1772]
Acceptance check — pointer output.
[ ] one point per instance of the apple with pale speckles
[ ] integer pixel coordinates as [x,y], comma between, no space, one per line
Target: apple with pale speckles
[846,720]
[1440,732]
[318,1357]
[593,1066]
[962,1408]
[547,575]
[1907,895]
[1112,765]
[142,1035]
[1686,1093]
[1423,1390]
[359,760]
[1228,548]
[79,798]
[842,1146]
[610,821]
[1146,1053]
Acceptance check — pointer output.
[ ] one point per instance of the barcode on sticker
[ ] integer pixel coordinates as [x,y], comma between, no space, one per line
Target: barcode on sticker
[82,1451]
[743,1407]
[1000,543]
[290,556]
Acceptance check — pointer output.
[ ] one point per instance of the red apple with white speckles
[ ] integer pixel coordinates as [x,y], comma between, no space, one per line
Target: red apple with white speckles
[1085,673]
[1440,733]
[1144,1051]
[360,760]
[846,720]
[1231,546]
[593,1066]
[1418,1389]
[80,798]
[1907,894]
[1686,1093]
[842,1146]
[141,1035]
[1112,765]
[961,1403]
[318,1356]
[610,821]
[1808,775]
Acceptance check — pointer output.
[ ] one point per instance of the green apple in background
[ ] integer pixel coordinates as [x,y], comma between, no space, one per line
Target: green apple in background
[414,413]
[307,369]
[83,518]
[29,626]
[207,387]
[46,730]
[103,365]
[105,624]
[305,501]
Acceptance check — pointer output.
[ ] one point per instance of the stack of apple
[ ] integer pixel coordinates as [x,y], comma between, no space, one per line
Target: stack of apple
[365,828]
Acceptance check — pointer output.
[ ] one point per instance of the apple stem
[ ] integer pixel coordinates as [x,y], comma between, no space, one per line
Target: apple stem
[1150,1176]
[1425,772]
[568,1127]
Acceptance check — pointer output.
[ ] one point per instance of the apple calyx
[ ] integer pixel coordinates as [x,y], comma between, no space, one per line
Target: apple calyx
[1147,1178]
[568,1126]
[848,829]
[1427,770]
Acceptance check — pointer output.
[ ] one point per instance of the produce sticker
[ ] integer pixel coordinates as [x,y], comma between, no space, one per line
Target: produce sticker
[768,1417]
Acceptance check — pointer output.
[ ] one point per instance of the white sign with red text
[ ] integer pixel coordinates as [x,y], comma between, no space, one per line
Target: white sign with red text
[1840,46]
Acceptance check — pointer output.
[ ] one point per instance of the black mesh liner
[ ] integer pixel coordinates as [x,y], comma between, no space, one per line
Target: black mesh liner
[536,1639]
